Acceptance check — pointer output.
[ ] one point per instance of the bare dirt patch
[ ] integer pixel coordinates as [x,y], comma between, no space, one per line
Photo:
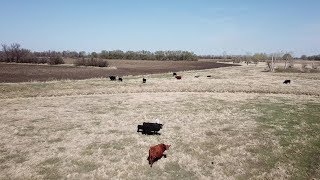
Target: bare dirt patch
[29,72]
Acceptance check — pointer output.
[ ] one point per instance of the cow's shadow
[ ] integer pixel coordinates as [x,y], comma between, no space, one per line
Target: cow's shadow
[150,133]
[158,158]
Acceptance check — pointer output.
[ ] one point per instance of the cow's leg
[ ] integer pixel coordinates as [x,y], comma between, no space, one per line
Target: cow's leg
[150,161]
[164,155]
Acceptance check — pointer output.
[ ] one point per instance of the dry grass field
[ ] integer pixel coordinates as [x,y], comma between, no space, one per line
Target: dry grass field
[240,123]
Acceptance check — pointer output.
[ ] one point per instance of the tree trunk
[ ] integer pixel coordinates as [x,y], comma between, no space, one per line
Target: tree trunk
[272,64]
[285,64]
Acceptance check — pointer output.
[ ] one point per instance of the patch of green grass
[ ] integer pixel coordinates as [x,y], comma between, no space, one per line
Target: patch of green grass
[49,168]
[39,85]
[27,131]
[55,140]
[68,127]
[97,123]
[175,171]
[106,146]
[114,131]
[84,166]
[3,167]
[288,70]
[50,161]
[61,149]
[15,157]
[298,131]
[50,172]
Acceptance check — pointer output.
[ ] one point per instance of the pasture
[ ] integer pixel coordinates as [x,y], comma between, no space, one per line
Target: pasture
[240,123]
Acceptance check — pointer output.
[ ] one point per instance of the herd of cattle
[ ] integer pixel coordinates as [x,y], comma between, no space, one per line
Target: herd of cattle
[144,80]
[157,152]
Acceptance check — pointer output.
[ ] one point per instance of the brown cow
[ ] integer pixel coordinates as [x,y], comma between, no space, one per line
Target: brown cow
[156,153]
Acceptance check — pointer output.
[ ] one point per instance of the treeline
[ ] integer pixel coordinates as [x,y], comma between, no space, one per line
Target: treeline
[128,55]
[260,57]
[257,57]
[314,57]
[147,55]
[14,53]
[215,56]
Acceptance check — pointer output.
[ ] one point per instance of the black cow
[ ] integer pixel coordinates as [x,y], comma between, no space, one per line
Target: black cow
[178,77]
[209,76]
[174,74]
[149,128]
[120,79]
[112,78]
[287,81]
[144,80]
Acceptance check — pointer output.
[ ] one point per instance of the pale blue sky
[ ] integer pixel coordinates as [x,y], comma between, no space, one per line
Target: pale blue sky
[201,26]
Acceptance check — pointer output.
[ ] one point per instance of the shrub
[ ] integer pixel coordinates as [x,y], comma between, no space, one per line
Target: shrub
[29,58]
[91,62]
[2,57]
[55,60]
[80,62]
[315,65]
[303,65]
[42,60]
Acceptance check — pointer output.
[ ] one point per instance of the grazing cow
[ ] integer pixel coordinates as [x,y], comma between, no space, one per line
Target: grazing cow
[196,76]
[178,77]
[174,74]
[144,80]
[287,81]
[209,76]
[112,78]
[149,128]
[156,153]
[120,79]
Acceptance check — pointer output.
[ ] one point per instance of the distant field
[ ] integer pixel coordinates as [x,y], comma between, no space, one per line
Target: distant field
[240,123]
[29,72]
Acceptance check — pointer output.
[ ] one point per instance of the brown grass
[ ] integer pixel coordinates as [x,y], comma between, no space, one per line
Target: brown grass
[85,129]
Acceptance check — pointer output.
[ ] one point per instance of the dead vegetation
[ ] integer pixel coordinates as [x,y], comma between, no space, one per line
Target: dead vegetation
[240,123]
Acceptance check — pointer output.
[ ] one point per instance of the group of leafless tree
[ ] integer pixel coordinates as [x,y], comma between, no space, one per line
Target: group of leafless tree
[314,57]
[14,53]
[147,55]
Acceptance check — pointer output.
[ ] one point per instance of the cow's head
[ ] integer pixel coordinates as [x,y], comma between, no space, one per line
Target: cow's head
[167,146]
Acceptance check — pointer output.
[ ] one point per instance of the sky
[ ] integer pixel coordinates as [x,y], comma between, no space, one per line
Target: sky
[201,26]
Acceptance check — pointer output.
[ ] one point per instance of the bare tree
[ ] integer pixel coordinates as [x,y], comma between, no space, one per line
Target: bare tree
[271,64]
[15,51]
[6,51]
[82,54]
[257,57]
[288,60]
[304,57]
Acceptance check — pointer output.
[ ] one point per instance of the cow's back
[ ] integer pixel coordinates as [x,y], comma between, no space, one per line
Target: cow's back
[156,151]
